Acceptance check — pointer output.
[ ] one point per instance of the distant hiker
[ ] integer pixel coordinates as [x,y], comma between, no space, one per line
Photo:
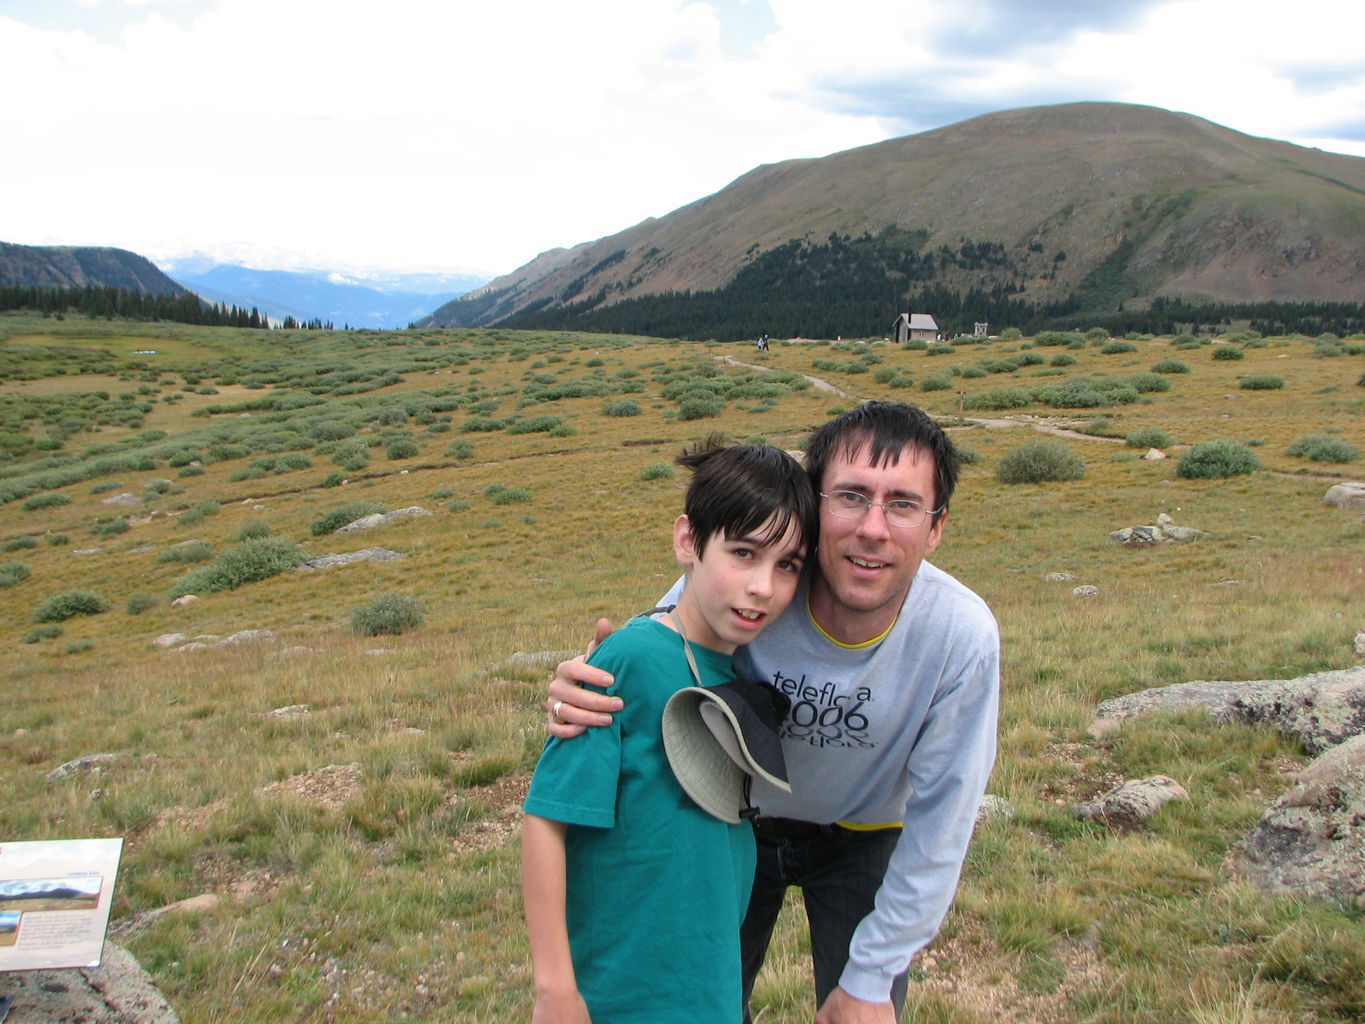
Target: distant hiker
[762,344]
[636,877]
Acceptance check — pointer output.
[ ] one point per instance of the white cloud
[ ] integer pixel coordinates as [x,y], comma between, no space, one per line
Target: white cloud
[412,134]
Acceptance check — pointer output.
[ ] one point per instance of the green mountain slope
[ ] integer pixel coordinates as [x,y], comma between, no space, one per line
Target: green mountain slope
[1096,206]
[64,266]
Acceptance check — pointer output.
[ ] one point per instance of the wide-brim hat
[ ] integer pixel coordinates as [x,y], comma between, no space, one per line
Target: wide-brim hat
[718,737]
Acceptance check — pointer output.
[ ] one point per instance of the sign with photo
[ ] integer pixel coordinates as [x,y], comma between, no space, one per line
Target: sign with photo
[55,898]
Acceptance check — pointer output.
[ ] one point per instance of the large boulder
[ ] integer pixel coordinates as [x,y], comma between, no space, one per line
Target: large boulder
[118,991]
[1320,710]
[1311,843]
[1346,495]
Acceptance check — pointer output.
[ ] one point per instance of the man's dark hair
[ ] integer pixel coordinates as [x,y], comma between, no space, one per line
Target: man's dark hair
[885,430]
[736,490]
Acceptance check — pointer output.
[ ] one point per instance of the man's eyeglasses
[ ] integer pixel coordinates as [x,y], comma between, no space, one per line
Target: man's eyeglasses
[903,512]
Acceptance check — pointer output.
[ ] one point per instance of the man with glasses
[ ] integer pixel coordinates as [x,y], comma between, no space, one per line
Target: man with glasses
[892,667]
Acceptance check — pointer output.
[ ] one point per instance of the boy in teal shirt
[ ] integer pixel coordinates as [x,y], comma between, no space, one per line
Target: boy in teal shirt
[634,894]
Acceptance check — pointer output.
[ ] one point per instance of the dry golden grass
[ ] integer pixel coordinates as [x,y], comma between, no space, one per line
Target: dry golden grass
[389,891]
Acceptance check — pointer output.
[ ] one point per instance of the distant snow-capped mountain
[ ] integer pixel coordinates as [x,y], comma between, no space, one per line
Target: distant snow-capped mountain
[389,301]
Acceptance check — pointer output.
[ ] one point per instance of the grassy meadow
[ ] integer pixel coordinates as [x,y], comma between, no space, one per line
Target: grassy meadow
[363,845]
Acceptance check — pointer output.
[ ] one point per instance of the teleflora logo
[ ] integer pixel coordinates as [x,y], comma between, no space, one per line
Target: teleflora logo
[824,717]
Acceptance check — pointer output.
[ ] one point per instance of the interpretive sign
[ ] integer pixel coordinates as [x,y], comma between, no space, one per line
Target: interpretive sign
[54,902]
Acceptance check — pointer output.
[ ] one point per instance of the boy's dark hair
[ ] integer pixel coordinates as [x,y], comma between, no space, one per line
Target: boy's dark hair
[736,490]
[885,429]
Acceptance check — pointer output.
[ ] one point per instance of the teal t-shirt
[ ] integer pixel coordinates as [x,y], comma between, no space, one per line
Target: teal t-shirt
[657,888]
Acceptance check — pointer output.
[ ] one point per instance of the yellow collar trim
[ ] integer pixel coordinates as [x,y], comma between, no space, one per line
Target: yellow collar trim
[839,643]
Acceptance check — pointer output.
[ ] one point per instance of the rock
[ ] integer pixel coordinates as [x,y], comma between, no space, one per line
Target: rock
[92,763]
[363,555]
[184,601]
[1183,533]
[201,904]
[248,636]
[1059,577]
[1086,590]
[290,711]
[1154,455]
[118,991]
[1132,802]
[1311,843]
[1164,530]
[1346,495]
[1138,536]
[169,640]
[122,500]
[382,519]
[994,808]
[1320,710]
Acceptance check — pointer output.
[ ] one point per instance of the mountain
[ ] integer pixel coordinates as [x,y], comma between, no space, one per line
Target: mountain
[67,266]
[1084,207]
[315,295]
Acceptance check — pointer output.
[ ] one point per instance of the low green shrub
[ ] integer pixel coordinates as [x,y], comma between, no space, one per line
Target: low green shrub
[60,607]
[254,530]
[1062,359]
[501,494]
[1323,448]
[1212,460]
[51,499]
[627,407]
[189,551]
[197,512]
[535,425]
[937,382]
[1170,366]
[697,405]
[1149,437]
[1038,461]
[247,562]
[998,398]
[334,519]
[482,425]
[112,528]
[388,614]
[401,448]
[1146,383]
[13,572]
[657,471]
[460,450]
[38,633]
[139,603]
[1117,347]
[1262,382]
[1227,352]
[18,544]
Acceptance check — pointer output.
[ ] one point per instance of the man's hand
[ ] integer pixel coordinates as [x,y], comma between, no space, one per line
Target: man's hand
[842,1008]
[570,708]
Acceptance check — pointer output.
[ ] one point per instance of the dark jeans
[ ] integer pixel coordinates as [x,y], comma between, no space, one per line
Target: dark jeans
[838,871]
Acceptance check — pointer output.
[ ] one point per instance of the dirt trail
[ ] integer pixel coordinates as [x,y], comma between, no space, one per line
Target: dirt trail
[1038,423]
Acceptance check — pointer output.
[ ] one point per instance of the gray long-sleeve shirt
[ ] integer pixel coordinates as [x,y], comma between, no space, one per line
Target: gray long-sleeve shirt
[900,730]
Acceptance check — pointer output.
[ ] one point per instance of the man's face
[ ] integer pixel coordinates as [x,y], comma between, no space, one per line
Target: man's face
[866,564]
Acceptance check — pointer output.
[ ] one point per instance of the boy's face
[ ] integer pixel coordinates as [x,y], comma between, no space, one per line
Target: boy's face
[738,586]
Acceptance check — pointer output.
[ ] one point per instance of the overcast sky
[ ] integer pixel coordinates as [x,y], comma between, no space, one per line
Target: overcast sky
[405,135]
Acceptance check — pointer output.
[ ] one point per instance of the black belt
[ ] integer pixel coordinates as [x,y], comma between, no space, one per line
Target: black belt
[790,828]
